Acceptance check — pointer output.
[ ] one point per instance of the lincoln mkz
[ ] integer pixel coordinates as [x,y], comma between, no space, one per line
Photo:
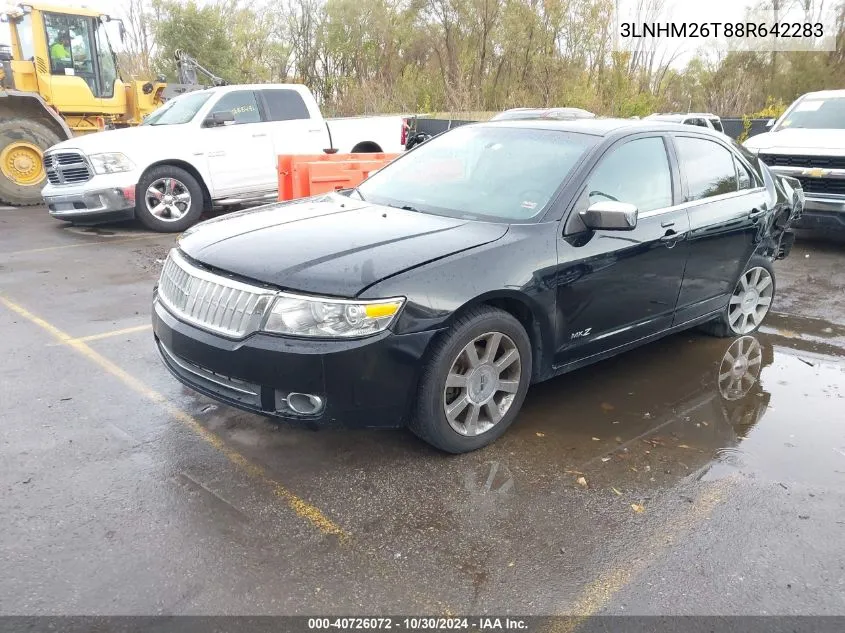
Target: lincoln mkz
[491,257]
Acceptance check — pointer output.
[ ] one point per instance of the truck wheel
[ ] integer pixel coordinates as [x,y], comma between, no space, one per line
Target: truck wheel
[168,199]
[473,386]
[750,302]
[22,146]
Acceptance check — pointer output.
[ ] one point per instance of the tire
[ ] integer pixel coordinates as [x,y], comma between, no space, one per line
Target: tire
[31,133]
[478,326]
[724,326]
[185,201]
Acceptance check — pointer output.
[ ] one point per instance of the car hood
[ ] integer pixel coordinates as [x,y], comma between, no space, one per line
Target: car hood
[120,140]
[331,245]
[798,140]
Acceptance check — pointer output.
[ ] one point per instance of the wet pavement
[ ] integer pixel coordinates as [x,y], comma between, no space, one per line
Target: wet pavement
[692,476]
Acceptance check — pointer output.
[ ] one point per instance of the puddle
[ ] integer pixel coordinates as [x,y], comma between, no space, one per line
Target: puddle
[689,407]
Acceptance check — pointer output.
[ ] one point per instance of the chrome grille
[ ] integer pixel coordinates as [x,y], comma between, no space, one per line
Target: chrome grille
[66,168]
[210,301]
[784,160]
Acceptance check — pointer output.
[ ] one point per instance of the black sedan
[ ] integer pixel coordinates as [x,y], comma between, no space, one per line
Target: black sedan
[492,257]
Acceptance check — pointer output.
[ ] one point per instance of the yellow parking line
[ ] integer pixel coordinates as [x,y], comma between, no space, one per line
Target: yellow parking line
[299,506]
[598,594]
[102,335]
[64,246]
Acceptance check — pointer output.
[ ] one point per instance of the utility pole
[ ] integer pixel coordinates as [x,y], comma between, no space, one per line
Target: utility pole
[776,7]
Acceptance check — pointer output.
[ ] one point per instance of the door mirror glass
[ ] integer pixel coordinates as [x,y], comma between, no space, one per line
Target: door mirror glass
[609,215]
[219,118]
[770,123]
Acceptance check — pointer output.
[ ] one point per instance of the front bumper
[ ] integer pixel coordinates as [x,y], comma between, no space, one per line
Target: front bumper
[822,213]
[103,198]
[367,382]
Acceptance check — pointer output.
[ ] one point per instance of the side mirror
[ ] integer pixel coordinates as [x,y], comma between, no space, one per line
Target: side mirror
[609,215]
[219,118]
[770,123]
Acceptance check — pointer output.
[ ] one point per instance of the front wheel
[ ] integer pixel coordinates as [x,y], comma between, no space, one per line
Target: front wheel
[168,199]
[474,383]
[22,174]
[750,302]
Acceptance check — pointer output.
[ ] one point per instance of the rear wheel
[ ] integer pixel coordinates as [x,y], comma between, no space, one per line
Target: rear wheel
[475,382]
[168,199]
[22,146]
[750,302]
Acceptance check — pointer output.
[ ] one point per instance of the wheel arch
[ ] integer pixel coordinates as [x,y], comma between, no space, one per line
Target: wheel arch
[188,167]
[33,107]
[531,316]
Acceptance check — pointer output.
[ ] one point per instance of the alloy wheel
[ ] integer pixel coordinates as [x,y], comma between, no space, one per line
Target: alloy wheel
[168,199]
[482,384]
[751,300]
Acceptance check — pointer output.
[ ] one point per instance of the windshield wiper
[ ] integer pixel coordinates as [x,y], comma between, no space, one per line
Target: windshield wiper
[405,207]
[360,195]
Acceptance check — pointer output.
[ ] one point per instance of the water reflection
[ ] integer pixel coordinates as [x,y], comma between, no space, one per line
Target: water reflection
[651,416]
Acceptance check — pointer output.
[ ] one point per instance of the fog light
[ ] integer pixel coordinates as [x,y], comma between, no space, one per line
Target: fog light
[299,403]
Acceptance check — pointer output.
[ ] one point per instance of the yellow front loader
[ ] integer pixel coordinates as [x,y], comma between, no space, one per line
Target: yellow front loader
[59,78]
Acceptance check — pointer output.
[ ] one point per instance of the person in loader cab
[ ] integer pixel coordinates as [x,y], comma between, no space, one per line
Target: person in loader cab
[60,54]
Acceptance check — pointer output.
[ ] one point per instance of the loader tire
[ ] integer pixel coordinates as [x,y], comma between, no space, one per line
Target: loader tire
[22,146]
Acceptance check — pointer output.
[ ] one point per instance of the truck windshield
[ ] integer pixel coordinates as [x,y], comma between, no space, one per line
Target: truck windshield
[816,114]
[180,110]
[480,172]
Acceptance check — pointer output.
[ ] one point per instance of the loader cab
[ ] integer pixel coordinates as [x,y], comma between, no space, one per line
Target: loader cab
[66,57]
[78,46]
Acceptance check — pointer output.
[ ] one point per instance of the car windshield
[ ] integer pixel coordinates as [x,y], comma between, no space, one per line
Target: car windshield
[179,110]
[480,172]
[816,114]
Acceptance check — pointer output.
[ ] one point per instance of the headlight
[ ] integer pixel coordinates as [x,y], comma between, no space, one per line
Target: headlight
[111,163]
[312,316]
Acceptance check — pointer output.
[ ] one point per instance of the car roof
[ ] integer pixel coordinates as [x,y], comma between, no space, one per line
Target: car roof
[545,112]
[681,115]
[600,126]
[826,94]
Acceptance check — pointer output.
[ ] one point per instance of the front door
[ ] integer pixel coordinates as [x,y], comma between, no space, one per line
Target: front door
[615,287]
[240,154]
[726,202]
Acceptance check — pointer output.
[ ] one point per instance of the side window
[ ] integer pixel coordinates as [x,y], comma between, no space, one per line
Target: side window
[696,122]
[717,125]
[637,172]
[285,105]
[24,30]
[746,180]
[708,167]
[242,104]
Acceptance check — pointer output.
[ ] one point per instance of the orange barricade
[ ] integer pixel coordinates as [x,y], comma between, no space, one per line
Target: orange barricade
[303,175]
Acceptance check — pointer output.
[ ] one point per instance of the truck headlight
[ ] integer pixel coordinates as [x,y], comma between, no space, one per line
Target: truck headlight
[110,163]
[330,318]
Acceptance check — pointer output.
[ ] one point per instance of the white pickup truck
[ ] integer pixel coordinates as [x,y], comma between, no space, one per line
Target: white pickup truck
[214,147]
[808,143]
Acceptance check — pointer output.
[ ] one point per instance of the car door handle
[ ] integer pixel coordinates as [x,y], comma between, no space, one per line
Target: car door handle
[756,213]
[667,223]
[259,135]
[319,129]
[671,237]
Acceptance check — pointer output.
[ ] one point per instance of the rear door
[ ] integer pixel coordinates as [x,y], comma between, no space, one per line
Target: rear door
[726,202]
[240,154]
[615,287]
[291,126]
